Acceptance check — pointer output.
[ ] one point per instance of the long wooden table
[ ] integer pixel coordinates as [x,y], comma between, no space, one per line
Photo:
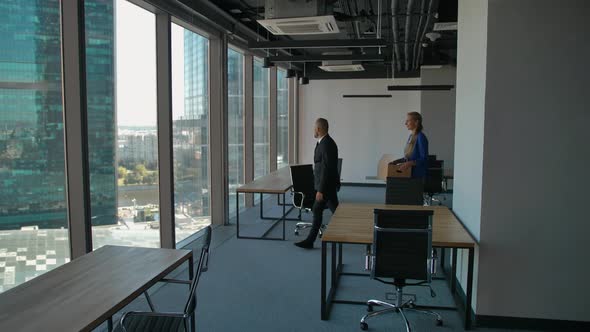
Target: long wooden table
[277,183]
[353,224]
[82,294]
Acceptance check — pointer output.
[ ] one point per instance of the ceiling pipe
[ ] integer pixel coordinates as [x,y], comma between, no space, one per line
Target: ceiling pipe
[317,43]
[407,34]
[419,33]
[327,57]
[429,17]
[396,58]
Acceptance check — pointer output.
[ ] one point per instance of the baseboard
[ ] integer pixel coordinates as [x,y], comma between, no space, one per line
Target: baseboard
[536,324]
[460,297]
[359,184]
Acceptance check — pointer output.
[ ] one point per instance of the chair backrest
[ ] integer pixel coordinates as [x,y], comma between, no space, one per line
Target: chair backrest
[434,177]
[204,256]
[402,244]
[302,182]
[404,191]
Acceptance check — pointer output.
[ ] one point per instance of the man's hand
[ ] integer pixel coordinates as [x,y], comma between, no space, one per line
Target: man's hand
[319,196]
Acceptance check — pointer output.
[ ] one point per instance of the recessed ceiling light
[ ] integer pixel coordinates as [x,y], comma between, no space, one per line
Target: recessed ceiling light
[235,11]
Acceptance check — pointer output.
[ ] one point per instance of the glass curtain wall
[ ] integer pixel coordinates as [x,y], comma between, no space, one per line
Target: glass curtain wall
[190,112]
[33,217]
[235,97]
[261,120]
[282,118]
[122,114]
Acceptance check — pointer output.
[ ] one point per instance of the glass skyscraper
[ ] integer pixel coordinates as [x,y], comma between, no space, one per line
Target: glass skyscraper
[191,138]
[32,170]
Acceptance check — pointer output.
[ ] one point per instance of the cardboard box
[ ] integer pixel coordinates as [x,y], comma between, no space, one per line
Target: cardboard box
[394,171]
[382,168]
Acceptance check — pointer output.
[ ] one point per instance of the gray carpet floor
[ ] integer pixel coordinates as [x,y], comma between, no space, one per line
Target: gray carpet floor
[256,285]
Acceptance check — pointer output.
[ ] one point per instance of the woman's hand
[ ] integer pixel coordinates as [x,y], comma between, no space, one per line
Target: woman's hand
[406,165]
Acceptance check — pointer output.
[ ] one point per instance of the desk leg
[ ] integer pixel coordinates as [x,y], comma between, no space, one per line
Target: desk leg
[110,324]
[261,206]
[468,291]
[284,215]
[442,259]
[191,275]
[237,215]
[339,256]
[323,305]
[453,277]
[333,267]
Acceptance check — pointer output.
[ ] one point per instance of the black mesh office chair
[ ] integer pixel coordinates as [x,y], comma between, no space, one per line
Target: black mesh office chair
[434,181]
[401,250]
[404,191]
[152,321]
[303,192]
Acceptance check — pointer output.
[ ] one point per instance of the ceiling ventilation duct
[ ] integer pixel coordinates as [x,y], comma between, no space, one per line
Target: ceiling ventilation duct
[445,26]
[340,66]
[298,17]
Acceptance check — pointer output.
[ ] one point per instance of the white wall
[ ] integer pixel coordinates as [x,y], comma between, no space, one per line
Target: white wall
[363,128]
[438,111]
[469,122]
[534,221]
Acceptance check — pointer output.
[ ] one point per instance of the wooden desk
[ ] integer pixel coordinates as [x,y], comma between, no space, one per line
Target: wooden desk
[277,183]
[353,224]
[82,294]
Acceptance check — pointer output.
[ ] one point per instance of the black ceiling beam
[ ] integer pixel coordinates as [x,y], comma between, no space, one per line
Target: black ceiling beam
[420,87]
[319,57]
[330,43]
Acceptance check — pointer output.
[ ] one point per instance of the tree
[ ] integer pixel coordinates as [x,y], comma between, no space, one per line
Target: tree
[122,172]
[141,170]
[151,178]
[132,178]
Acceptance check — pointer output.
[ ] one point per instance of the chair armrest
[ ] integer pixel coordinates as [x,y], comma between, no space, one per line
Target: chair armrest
[149,314]
[302,199]
[175,281]
[433,261]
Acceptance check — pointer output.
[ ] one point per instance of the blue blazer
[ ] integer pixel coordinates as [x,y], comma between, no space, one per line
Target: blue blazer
[420,155]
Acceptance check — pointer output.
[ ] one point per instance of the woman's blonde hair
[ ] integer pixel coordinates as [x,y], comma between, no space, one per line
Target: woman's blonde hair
[417,117]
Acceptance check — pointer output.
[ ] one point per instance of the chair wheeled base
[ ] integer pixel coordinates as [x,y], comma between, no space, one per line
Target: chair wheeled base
[398,307]
[303,225]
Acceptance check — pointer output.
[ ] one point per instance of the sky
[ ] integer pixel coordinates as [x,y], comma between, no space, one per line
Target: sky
[135,42]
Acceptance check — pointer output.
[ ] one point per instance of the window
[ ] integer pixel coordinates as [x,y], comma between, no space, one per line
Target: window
[235,118]
[261,120]
[122,114]
[282,118]
[33,217]
[190,113]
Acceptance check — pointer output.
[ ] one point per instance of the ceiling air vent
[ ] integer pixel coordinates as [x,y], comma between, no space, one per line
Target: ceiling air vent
[445,26]
[342,68]
[301,25]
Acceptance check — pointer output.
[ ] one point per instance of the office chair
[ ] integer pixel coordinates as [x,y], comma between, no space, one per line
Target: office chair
[434,181]
[401,250]
[404,191]
[152,321]
[303,193]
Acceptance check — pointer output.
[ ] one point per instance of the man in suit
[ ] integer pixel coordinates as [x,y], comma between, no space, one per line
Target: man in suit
[326,179]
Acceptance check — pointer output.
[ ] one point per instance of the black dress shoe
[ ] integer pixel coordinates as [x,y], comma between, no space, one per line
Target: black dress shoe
[305,244]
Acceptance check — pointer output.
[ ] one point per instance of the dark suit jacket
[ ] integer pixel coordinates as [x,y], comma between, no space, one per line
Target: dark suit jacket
[325,166]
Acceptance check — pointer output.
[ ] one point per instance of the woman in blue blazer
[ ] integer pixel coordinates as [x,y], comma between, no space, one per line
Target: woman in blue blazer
[416,150]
